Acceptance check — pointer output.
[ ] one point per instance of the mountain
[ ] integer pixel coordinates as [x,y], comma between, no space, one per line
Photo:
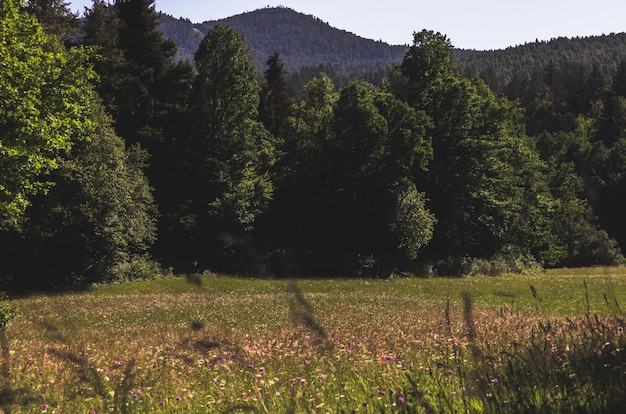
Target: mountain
[305,41]
[301,40]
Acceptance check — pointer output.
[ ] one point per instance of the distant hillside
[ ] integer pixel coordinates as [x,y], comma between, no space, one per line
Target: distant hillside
[603,53]
[301,40]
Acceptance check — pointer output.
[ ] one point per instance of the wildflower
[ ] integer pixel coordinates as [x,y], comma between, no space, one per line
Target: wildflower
[162,403]
[400,400]
[494,381]
[43,406]
[243,395]
[453,392]
[60,369]
[250,366]
[307,337]
[178,398]
[277,394]
[262,369]
[382,392]
[117,363]
[276,379]
[388,357]
[138,392]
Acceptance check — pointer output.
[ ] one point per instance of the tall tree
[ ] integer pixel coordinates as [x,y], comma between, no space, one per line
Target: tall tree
[275,104]
[485,181]
[42,89]
[145,91]
[226,158]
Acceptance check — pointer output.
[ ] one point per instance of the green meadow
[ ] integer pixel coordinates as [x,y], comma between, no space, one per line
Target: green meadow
[551,342]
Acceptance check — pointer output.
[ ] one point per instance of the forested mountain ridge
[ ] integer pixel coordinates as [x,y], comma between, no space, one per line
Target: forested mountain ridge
[301,40]
[306,41]
[499,67]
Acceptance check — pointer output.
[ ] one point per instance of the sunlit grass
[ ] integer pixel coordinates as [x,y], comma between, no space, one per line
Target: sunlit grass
[224,344]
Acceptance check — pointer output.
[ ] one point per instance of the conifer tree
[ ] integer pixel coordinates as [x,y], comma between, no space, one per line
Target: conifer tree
[55,17]
[275,104]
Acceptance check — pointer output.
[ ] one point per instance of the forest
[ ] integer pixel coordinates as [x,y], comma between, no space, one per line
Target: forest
[121,162]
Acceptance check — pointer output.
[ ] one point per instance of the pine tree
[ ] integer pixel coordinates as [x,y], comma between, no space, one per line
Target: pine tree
[55,17]
[275,104]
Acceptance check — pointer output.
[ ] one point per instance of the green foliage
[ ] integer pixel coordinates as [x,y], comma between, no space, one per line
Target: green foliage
[42,90]
[348,215]
[430,59]
[55,17]
[485,182]
[7,313]
[100,208]
[413,223]
[225,160]
[275,106]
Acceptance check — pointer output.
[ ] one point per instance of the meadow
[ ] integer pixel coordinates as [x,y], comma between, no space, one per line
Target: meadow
[551,342]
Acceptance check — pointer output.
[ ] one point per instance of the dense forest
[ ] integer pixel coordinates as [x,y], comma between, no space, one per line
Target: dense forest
[121,161]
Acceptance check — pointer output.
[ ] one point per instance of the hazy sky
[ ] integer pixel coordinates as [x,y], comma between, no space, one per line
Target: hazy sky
[478,24]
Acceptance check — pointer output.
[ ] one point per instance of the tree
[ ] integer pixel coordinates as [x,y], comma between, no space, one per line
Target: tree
[225,161]
[55,17]
[579,239]
[485,181]
[275,104]
[429,60]
[42,90]
[99,217]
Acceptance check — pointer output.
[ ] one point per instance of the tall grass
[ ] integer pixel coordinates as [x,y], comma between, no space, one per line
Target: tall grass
[479,344]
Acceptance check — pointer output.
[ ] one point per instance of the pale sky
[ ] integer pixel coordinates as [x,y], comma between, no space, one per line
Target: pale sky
[477,24]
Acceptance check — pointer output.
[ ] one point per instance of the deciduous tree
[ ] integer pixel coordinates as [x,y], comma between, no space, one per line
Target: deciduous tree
[226,158]
[42,91]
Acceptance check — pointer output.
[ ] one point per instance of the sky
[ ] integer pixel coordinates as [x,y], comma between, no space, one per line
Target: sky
[477,24]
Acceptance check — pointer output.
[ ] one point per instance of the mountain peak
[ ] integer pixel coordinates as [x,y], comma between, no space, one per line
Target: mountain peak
[301,40]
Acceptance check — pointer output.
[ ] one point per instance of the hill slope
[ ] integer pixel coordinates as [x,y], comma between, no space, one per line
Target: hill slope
[603,53]
[300,39]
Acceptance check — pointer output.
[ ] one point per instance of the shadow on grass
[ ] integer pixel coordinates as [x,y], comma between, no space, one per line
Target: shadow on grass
[302,314]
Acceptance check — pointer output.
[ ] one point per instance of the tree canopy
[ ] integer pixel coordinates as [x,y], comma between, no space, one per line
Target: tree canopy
[44,105]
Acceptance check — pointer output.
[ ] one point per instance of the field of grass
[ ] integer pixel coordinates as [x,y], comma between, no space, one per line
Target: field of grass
[552,342]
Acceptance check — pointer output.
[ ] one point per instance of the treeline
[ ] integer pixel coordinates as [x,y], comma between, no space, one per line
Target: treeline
[120,161]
